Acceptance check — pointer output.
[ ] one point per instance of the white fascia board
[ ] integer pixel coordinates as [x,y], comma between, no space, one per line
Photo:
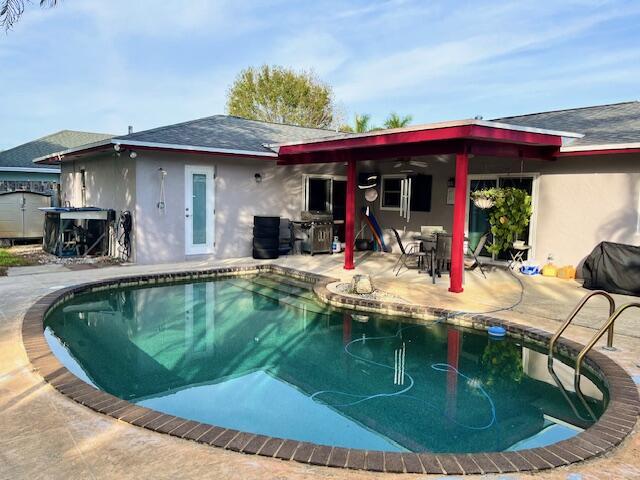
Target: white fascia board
[606,146]
[68,151]
[172,146]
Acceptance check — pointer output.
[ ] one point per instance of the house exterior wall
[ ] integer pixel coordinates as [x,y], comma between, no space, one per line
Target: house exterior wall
[580,200]
[238,197]
[110,183]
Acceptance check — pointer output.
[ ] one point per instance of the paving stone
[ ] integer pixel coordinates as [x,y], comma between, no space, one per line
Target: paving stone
[356,459]
[224,438]
[393,462]
[270,447]
[449,464]
[320,455]
[287,449]
[239,441]
[374,461]
[485,464]
[412,463]
[255,444]
[338,457]
[430,463]
[303,452]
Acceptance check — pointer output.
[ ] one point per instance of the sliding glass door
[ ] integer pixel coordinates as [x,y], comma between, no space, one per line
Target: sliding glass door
[478,222]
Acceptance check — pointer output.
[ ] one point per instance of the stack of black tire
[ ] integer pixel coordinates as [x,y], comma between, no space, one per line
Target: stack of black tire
[266,237]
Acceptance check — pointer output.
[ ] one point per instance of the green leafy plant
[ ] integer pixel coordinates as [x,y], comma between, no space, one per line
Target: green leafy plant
[508,217]
[502,363]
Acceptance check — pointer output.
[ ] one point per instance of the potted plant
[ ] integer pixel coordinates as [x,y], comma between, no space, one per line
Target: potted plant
[483,199]
[509,211]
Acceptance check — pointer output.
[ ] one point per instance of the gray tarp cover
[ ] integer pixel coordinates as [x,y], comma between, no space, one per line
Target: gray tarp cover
[614,268]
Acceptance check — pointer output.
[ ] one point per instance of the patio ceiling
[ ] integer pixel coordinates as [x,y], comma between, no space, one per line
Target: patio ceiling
[476,137]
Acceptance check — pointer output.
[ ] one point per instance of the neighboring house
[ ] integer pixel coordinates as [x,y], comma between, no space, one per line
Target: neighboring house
[19,173]
[194,187]
[26,186]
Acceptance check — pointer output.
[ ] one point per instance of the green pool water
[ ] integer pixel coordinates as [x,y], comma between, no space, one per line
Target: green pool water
[260,354]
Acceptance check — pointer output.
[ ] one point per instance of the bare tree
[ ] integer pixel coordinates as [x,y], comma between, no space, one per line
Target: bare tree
[12,10]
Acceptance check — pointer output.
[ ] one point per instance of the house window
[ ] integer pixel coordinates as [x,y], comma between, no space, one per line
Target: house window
[391,187]
[420,192]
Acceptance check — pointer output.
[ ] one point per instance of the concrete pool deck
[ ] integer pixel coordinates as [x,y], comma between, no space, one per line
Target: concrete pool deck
[45,435]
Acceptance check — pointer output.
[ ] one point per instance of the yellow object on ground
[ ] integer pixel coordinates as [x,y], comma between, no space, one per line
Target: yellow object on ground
[550,270]
[568,272]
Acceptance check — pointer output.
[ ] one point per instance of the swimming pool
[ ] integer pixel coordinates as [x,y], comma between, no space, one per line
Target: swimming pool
[260,354]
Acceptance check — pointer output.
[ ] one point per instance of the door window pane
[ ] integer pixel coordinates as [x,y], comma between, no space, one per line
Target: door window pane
[199,213]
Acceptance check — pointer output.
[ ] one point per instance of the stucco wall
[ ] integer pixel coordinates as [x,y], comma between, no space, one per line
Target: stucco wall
[238,197]
[110,182]
[581,201]
[440,168]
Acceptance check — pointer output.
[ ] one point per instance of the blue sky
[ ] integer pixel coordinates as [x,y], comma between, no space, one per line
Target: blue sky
[100,65]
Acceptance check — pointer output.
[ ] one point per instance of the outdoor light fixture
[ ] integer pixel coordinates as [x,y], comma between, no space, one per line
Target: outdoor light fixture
[132,154]
[258,177]
[116,147]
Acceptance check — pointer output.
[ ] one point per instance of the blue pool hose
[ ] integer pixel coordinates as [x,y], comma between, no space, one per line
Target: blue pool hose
[441,367]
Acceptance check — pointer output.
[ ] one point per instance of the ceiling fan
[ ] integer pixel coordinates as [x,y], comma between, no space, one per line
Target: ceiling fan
[411,163]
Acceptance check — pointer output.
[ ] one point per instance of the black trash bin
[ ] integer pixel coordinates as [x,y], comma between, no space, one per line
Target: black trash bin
[266,237]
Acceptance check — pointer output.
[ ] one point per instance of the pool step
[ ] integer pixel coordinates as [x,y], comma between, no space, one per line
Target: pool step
[285,285]
[300,301]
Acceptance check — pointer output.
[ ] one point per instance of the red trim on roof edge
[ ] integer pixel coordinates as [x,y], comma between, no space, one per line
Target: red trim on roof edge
[473,132]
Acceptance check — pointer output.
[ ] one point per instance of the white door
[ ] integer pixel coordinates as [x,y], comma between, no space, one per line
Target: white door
[199,214]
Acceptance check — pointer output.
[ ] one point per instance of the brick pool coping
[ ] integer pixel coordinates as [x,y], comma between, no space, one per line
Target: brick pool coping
[610,430]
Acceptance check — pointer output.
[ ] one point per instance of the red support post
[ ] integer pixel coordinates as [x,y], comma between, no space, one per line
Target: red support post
[453,358]
[459,217]
[349,223]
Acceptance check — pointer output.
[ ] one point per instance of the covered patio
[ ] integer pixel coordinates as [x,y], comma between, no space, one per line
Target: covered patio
[465,141]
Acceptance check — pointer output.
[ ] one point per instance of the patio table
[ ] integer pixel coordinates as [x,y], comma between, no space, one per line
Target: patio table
[430,239]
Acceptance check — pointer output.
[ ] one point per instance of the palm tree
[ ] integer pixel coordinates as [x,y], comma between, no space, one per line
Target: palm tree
[12,10]
[361,125]
[396,121]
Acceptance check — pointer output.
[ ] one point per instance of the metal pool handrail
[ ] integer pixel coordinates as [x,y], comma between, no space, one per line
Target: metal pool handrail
[608,325]
[572,315]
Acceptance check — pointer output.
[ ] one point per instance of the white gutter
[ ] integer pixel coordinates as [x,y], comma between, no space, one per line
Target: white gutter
[68,151]
[172,146]
[168,146]
[432,126]
[29,169]
[606,146]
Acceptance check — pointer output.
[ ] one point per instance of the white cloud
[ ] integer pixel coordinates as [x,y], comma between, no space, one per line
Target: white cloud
[311,50]
[418,66]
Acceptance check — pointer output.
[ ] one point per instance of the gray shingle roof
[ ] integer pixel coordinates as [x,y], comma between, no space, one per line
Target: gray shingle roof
[227,132]
[23,155]
[600,124]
